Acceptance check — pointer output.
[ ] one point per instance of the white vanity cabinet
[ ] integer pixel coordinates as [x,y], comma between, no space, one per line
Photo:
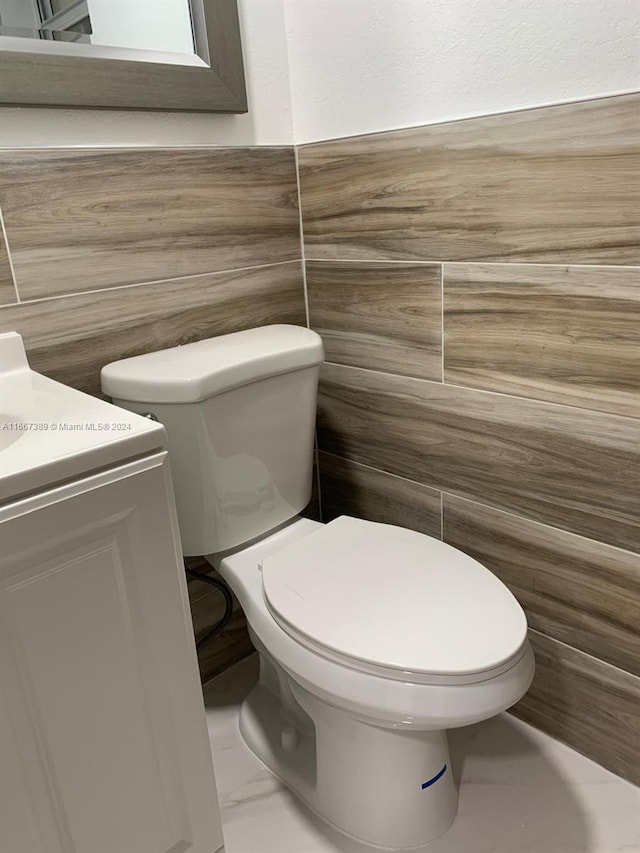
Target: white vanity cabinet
[103,740]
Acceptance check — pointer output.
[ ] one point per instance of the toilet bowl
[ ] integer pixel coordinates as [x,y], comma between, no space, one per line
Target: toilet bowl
[364,745]
[373,639]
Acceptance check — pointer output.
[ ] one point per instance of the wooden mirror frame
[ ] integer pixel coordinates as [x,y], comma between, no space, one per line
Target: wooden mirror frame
[63,80]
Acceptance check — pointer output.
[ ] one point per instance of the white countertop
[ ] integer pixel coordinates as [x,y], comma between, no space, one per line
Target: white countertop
[50,433]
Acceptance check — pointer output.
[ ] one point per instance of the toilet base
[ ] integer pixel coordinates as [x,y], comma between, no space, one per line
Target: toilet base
[390,788]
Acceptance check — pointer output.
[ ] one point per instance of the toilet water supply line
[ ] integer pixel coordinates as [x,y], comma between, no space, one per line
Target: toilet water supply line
[219,627]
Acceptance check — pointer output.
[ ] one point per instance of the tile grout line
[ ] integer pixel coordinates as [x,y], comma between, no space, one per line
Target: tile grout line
[107,147]
[337,140]
[600,661]
[534,400]
[303,261]
[471,263]
[405,261]
[442,323]
[3,229]
[388,473]
[316,461]
[118,287]
[301,227]
[508,263]
[587,409]
[533,521]
[444,493]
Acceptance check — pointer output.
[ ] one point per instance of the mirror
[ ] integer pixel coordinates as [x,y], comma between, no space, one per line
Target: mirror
[141,24]
[131,54]
[57,20]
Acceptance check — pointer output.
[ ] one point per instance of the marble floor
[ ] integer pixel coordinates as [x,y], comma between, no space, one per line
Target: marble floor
[520,792]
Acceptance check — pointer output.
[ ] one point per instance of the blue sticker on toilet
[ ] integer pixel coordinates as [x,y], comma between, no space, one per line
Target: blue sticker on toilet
[435,778]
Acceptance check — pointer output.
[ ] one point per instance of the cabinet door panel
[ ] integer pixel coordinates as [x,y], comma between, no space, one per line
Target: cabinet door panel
[99,676]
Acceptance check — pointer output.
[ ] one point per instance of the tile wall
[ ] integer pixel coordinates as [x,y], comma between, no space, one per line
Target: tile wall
[111,253]
[477,285]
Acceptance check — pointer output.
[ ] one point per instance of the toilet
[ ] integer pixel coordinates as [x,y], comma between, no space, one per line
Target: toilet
[373,639]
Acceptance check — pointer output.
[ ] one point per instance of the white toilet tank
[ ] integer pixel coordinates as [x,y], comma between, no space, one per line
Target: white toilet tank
[239,411]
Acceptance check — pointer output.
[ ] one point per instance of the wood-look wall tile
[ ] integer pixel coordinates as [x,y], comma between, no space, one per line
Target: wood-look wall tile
[348,488]
[557,184]
[71,338]
[207,608]
[565,334]
[569,467]
[380,316]
[590,705]
[232,646]
[7,290]
[576,590]
[85,219]
[313,509]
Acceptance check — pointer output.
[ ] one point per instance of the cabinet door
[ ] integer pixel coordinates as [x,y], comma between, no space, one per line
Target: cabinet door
[103,739]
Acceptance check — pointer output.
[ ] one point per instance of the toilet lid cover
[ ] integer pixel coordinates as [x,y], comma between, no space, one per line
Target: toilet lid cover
[393,598]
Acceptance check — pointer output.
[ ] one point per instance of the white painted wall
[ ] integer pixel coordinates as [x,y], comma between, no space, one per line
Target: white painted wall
[143,24]
[269,121]
[359,66]
[318,69]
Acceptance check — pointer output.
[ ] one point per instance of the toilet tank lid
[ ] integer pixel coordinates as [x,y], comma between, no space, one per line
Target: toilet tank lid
[194,372]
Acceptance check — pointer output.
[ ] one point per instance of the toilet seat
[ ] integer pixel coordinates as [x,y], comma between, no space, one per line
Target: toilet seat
[394,602]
